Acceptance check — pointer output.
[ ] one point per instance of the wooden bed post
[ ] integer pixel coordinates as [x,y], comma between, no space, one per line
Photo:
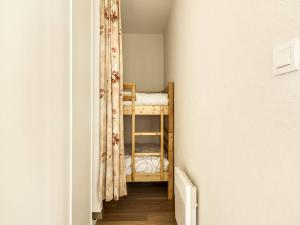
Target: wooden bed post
[171,141]
[133,134]
[161,143]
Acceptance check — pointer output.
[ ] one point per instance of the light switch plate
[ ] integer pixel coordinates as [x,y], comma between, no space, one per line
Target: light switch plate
[286,57]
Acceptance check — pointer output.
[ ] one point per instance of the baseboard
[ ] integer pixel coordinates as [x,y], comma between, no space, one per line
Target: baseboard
[97,216]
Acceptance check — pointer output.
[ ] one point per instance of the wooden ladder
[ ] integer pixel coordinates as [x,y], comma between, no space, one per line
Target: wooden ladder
[132,87]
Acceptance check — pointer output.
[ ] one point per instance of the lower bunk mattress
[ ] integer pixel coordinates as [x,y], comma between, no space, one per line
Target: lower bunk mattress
[144,164]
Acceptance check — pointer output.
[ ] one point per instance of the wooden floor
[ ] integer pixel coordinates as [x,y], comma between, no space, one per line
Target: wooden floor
[146,204]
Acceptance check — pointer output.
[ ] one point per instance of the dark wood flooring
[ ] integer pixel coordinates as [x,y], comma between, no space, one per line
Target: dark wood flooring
[146,204]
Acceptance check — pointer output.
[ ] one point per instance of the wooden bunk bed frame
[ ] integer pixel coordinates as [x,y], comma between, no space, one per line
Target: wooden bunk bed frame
[166,134]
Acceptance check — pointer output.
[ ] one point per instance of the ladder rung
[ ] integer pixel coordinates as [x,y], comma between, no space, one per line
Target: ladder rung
[128,98]
[147,154]
[147,133]
[128,85]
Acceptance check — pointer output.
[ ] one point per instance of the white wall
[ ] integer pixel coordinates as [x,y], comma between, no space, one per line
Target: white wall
[144,61]
[96,202]
[35,112]
[237,126]
[82,112]
[143,65]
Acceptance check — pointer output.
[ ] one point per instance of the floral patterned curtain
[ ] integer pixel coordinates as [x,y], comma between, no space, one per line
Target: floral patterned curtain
[112,180]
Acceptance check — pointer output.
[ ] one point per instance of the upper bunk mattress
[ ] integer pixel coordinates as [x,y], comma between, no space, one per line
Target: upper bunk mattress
[145,99]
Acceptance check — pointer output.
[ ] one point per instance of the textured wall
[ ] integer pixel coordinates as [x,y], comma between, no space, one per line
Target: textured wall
[82,96]
[35,112]
[97,204]
[144,61]
[237,126]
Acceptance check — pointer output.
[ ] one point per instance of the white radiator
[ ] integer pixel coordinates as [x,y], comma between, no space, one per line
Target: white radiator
[185,199]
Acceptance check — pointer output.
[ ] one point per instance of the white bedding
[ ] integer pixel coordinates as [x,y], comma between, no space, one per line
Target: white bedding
[149,99]
[144,164]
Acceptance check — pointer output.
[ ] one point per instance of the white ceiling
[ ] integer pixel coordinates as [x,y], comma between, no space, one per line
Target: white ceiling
[145,16]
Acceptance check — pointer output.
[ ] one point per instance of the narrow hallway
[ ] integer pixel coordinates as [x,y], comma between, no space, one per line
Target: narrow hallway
[146,204]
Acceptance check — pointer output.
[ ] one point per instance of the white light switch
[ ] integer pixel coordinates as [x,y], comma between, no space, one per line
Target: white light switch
[286,57]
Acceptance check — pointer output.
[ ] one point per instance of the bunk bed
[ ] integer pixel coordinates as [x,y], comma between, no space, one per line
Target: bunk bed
[150,163]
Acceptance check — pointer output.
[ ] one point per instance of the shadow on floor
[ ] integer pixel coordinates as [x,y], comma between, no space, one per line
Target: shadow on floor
[146,204]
